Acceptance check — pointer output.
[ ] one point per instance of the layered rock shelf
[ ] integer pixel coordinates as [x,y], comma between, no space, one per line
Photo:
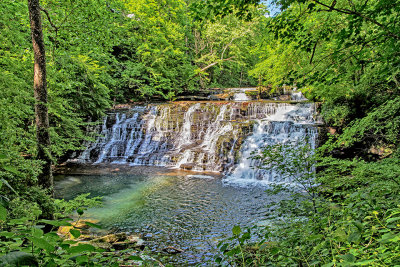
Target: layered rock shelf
[196,136]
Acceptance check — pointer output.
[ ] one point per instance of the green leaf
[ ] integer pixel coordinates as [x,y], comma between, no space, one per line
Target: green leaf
[314,237]
[36,232]
[348,258]
[93,225]
[392,219]
[232,252]
[8,185]
[82,259]
[224,247]
[340,235]
[81,248]
[388,237]
[41,243]
[2,156]
[359,225]
[79,211]
[11,169]
[3,213]
[7,234]
[135,258]
[365,262]
[75,233]
[354,237]
[69,242]
[274,250]
[22,220]
[51,263]
[236,230]
[18,258]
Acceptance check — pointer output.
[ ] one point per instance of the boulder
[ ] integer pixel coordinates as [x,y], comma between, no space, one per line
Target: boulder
[111,238]
[187,166]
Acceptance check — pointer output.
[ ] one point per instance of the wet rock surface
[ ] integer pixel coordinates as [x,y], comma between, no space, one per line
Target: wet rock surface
[107,241]
[197,136]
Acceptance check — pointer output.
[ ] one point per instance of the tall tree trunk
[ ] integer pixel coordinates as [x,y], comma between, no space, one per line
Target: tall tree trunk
[40,92]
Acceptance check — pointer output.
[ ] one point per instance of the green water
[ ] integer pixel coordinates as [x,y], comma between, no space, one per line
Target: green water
[190,213]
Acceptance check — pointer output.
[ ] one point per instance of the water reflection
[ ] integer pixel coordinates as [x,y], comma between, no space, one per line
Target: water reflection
[187,212]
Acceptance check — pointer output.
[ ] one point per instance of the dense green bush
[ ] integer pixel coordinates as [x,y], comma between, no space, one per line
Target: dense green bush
[351,219]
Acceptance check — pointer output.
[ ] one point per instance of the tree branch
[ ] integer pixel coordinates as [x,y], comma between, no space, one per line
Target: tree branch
[350,12]
[49,19]
[344,48]
[228,45]
[313,52]
[215,63]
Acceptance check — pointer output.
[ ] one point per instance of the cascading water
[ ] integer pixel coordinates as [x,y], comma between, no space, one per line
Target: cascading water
[290,124]
[297,96]
[202,136]
[240,94]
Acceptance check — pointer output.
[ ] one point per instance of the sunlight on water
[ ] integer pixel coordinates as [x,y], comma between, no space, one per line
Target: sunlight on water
[191,212]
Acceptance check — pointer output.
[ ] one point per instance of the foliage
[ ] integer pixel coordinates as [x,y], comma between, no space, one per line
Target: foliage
[344,55]
[380,126]
[215,9]
[156,40]
[352,219]
[28,240]
[24,240]
[223,51]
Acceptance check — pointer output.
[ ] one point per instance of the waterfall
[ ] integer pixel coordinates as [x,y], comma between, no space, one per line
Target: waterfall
[290,124]
[202,136]
[297,96]
[240,94]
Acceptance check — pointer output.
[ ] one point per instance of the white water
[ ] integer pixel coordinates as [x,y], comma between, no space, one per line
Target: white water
[240,94]
[298,96]
[202,137]
[290,124]
[240,97]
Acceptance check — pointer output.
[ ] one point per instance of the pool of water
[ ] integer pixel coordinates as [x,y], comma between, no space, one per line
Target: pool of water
[190,212]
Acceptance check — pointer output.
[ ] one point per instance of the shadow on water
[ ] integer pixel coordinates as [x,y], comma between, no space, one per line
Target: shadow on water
[190,212]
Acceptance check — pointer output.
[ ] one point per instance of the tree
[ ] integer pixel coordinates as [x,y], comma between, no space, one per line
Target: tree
[40,92]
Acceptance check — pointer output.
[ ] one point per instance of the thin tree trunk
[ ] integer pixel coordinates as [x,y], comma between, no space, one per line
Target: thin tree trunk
[40,92]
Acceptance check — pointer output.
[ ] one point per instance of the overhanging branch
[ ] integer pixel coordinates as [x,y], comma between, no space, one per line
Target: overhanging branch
[215,63]
[49,19]
[351,12]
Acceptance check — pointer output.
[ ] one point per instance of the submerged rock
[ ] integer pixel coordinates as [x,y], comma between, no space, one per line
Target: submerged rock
[80,225]
[111,238]
[118,241]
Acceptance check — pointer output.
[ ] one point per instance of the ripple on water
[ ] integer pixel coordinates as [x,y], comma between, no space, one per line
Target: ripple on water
[190,212]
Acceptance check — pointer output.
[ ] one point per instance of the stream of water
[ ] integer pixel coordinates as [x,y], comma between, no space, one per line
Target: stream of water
[191,212]
[194,210]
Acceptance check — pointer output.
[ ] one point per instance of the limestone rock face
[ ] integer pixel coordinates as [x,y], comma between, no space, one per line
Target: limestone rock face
[197,136]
